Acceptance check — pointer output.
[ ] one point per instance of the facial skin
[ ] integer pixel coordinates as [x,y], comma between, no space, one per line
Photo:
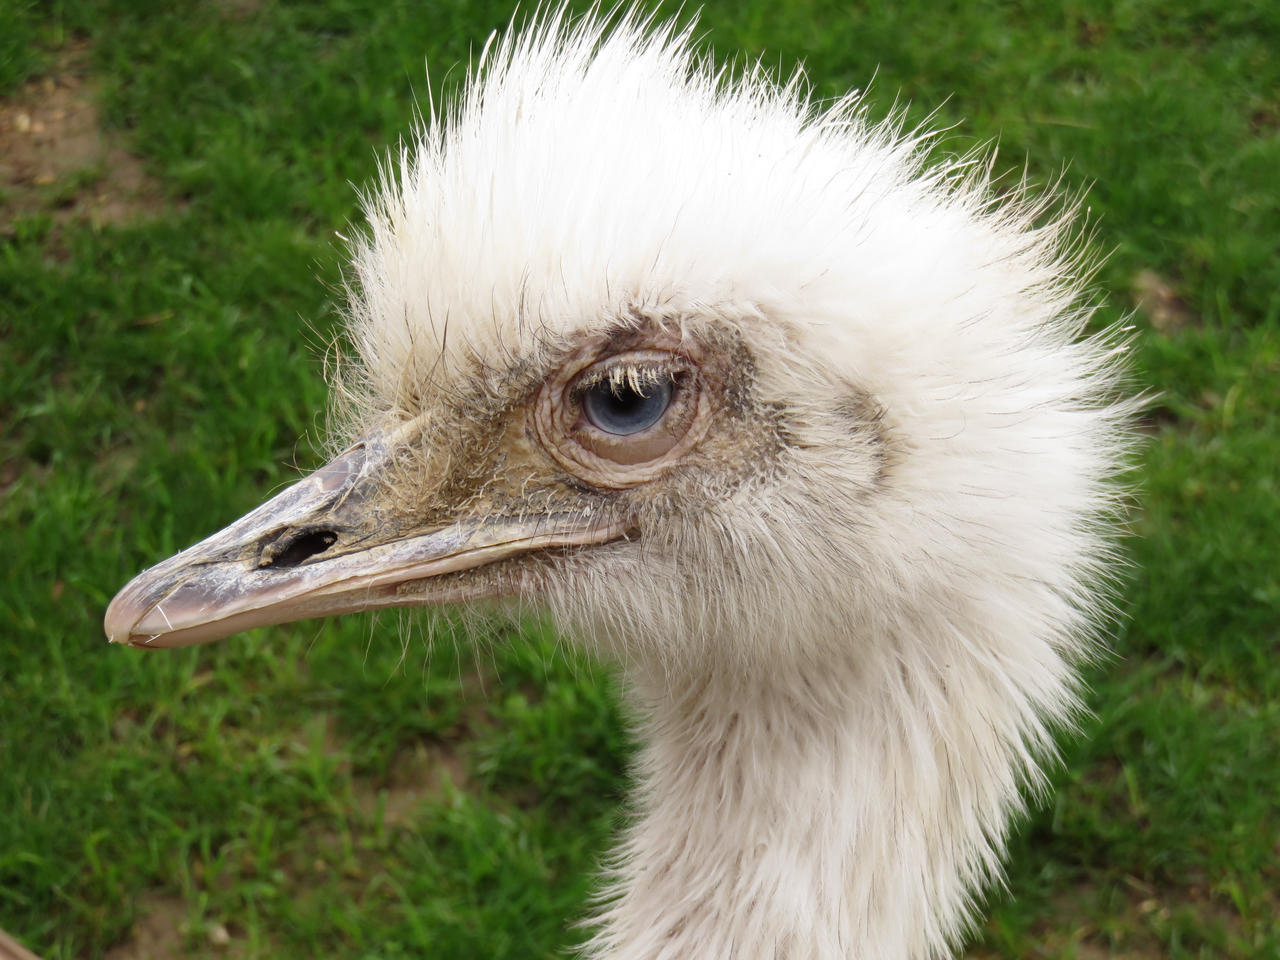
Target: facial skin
[475,496]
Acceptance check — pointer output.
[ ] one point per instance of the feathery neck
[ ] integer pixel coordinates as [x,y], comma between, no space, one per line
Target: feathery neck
[814,811]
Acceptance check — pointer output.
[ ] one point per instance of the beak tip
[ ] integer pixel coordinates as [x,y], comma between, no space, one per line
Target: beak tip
[113,626]
[122,623]
[111,621]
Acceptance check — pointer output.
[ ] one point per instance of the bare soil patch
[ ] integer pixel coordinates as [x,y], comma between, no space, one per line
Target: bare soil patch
[417,774]
[1133,922]
[163,931]
[239,9]
[1157,298]
[157,933]
[56,159]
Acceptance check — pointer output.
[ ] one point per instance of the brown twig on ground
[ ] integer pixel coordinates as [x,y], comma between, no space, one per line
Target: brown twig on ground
[11,949]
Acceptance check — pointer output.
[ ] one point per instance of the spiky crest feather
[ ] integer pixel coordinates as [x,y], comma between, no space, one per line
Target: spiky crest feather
[845,666]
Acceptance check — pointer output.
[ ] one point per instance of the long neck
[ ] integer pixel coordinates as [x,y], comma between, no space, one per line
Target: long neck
[806,812]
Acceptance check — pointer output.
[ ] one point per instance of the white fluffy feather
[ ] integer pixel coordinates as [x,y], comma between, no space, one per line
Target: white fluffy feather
[845,666]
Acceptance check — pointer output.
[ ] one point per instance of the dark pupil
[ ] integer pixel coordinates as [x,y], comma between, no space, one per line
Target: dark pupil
[622,409]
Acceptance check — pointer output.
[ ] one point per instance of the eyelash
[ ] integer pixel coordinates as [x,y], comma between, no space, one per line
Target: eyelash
[634,376]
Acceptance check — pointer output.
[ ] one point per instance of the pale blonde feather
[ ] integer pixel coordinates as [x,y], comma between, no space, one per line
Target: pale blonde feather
[847,666]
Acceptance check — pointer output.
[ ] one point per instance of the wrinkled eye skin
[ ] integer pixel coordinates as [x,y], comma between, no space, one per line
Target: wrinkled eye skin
[623,419]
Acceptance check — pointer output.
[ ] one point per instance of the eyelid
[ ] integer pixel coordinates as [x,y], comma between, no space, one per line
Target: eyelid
[622,460]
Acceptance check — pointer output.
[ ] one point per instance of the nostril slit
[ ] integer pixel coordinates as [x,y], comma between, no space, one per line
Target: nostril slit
[299,549]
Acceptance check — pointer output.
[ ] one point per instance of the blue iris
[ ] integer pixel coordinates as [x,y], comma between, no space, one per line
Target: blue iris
[626,408]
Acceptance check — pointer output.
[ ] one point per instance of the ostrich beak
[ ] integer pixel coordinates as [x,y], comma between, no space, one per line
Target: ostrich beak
[329,544]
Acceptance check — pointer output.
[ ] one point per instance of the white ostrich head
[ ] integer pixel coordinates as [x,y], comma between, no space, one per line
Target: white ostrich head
[795,427]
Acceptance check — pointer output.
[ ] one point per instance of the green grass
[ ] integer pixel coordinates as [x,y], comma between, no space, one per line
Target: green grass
[158,377]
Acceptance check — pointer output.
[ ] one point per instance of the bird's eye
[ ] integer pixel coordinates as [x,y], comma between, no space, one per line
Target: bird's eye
[626,407]
[624,419]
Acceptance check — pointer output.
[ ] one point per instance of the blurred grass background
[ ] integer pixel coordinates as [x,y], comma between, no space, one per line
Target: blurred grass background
[167,274]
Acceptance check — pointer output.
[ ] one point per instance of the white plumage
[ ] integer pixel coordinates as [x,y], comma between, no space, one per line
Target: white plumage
[847,575]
